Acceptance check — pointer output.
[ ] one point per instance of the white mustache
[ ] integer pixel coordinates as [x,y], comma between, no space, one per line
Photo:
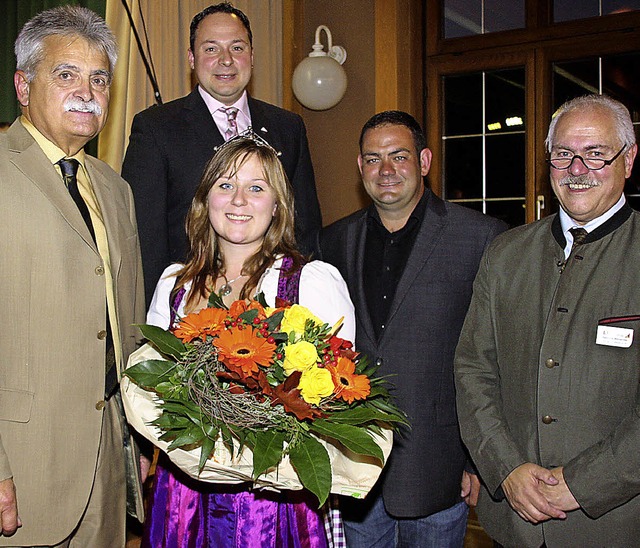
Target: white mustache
[584,179]
[75,104]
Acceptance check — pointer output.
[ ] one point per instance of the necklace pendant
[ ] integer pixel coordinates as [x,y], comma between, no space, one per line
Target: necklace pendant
[225,290]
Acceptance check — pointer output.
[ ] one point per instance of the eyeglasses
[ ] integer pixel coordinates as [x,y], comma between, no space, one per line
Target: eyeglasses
[592,164]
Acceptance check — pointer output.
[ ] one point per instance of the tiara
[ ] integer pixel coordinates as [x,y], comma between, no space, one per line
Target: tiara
[250,135]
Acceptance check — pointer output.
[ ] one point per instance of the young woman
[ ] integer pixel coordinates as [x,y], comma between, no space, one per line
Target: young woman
[240,227]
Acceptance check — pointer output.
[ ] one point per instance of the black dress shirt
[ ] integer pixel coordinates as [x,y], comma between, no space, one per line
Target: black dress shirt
[385,257]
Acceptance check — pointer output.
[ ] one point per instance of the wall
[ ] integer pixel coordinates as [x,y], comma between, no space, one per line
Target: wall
[333,134]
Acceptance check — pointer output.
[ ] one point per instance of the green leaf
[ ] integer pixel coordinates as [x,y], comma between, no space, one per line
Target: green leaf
[311,462]
[190,436]
[260,298]
[274,321]
[165,341]
[249,315]
[150,373]
[354,438]
[215,301]
[360,415]
[267,451]
[208,444]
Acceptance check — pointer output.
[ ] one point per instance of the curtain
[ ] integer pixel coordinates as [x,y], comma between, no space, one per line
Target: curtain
[167,23]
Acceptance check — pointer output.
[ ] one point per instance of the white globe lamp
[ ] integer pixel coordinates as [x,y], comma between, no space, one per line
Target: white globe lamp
[319,81]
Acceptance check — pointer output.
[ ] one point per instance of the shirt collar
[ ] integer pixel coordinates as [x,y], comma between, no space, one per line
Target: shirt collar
[51,150]
[241,104]
[568,223]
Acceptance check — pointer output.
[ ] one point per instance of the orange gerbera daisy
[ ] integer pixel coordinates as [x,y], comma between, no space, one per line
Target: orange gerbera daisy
[241,350]
[348,385]
[209,321]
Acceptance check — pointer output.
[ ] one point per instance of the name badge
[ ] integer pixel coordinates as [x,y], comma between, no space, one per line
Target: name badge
[622,337]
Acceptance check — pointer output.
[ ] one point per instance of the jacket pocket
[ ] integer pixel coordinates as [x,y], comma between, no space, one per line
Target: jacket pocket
[15,405]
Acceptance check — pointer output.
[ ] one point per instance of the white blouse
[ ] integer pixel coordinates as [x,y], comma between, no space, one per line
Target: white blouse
[322,290]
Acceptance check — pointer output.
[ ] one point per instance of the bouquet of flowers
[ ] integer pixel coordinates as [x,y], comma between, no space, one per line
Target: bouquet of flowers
[276,380]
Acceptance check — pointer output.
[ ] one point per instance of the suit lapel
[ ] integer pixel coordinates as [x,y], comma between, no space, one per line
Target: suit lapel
[109,210]
[427,239]
[29,158]
[198,116]
[260,122]
[356,243]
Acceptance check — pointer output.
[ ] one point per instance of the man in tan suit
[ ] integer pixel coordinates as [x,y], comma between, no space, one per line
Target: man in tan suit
[71,291]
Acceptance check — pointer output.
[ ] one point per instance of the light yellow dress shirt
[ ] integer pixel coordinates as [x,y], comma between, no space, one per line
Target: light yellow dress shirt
[85,187]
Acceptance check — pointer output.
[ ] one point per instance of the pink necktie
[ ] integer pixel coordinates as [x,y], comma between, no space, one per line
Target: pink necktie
[232,125]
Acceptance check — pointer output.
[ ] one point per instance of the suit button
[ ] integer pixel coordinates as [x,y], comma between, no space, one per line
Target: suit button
[550,363]
[547,419]
[102,334]
[379,362]
[100,405]
[99,271]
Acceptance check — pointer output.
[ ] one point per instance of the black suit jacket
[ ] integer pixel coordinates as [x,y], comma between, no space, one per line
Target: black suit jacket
[418,344]
[168,150]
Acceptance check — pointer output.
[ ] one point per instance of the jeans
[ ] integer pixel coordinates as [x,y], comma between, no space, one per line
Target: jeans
[377,529]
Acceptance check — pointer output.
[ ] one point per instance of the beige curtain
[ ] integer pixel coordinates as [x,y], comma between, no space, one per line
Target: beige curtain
[167,23]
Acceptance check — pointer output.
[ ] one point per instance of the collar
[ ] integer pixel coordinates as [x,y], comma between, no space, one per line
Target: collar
[51,150]
[416,215]
[241,104]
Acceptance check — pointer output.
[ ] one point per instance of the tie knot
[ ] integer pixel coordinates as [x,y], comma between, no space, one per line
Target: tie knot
[69,167]
[231,112]
[579,235]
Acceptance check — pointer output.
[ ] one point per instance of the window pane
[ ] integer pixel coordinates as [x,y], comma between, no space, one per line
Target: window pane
[462,18]
[470,17]
[503,15]
[463,168]
[505,100]
[570,10]
[505,166]
[511,212]
[574,78]
[463,104]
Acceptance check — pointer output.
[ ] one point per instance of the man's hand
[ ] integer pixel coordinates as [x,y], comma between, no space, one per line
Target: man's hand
[9,520]
[145,465]
[522,488]
[559,496]
[470,488]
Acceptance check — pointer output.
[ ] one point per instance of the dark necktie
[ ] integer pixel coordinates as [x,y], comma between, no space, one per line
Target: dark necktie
[579,236]
[69,168]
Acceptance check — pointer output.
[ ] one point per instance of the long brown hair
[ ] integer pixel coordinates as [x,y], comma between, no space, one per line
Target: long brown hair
[205,262]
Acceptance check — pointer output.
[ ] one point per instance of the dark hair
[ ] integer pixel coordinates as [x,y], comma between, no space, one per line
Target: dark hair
[64,21]
[205,262]
[396,118]
[223,7]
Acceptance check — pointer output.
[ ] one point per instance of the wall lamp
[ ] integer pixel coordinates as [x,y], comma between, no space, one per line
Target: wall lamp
[319,81]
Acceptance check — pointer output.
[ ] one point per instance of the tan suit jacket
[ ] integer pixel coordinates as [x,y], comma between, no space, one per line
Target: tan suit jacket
[52,310]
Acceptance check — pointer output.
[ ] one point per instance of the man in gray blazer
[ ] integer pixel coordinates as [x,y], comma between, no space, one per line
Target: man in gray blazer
[71,291]
[409,261]
[548,365]
[171,144]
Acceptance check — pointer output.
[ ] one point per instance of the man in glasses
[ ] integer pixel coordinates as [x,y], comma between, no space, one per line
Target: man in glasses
[548,363]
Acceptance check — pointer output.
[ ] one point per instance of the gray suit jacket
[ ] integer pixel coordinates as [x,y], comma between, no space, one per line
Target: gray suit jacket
[417,347]
[528,349]
[52,361]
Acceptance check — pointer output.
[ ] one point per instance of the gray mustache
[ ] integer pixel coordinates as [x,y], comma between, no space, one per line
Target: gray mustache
[75,104]
[583,179]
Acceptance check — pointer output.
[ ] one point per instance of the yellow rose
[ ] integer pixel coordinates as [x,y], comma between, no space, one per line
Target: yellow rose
[295,319]
[299,356]
[315,383]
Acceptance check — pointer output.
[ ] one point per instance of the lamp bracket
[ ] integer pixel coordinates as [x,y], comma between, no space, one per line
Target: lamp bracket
[338,53]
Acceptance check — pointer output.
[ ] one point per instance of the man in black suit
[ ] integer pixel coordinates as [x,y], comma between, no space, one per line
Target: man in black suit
[170,144]
[409,260]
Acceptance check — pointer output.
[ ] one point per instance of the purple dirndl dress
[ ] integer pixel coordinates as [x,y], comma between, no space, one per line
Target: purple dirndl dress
[185,513]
